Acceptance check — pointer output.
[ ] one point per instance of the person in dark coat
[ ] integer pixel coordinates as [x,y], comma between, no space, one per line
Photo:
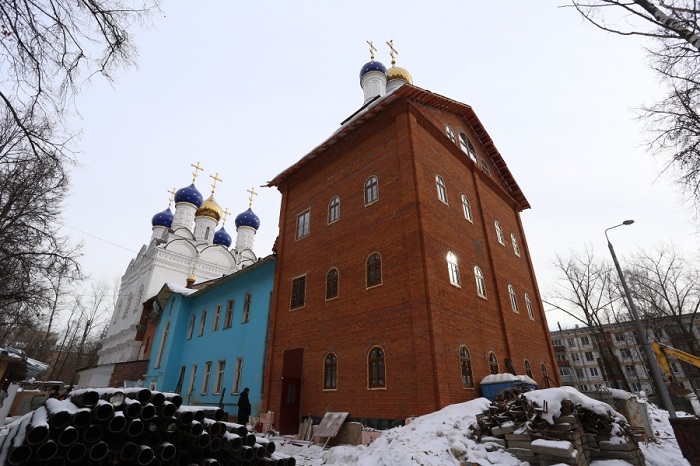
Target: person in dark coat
[244,407]
[54,392]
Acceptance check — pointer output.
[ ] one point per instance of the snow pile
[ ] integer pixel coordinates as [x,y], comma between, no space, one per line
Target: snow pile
[665,450]
[554,397]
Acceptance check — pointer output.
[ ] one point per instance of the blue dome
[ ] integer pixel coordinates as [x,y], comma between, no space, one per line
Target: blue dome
[222,237]
[248,219]
[372,66]
[189,194]
[163,219]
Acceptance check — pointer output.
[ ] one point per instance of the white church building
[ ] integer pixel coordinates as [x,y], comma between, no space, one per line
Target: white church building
[185,248]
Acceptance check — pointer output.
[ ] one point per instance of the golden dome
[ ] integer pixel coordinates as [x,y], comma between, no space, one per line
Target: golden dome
[210,208]
[396,72]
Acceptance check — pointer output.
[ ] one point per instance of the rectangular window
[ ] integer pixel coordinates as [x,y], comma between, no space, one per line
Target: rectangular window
[630,370]
[228,317]
[579,373]
[207,376]
[585,341]
[193,379]
[674,366]
[560,357]
[236,387]
[589,356]
[576,357]
[584,387]
[556,341]
[202,323]
[636,386]
[303,224]
[298,292]
[246,307]
[564,371]
[593,371]
[190,329]
[571,342]
[219,382]
[620,337]
[217,317]
[626,353]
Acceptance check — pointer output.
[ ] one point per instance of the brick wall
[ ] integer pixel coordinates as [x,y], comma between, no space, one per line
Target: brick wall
[132,370]
[416,316]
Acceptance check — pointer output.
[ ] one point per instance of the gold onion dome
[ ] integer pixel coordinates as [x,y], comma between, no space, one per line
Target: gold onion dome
[396,72]
[210,208]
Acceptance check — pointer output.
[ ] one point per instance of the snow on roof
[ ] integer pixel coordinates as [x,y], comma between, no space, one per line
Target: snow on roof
[179,289]
[554,397]
[499,378]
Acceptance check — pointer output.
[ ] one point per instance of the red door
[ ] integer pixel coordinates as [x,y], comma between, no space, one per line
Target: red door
[291,391]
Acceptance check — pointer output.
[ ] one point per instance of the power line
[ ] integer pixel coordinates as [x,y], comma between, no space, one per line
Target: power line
[98,238]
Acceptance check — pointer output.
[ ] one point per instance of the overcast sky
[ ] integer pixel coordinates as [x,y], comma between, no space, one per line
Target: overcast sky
[248,88]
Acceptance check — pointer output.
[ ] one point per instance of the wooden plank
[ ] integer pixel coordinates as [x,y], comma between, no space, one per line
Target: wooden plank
[330,424]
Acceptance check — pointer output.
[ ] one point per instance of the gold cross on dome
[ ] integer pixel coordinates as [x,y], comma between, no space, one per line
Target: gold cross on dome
[372,49]
[216,178]
[250,198]
[172,196]
[197,168]
[225,216]
[393,52]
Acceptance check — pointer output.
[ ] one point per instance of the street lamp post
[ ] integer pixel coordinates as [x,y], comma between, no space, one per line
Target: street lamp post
[651,359]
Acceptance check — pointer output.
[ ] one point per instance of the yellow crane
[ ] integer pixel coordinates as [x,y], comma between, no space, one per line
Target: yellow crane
[662,352]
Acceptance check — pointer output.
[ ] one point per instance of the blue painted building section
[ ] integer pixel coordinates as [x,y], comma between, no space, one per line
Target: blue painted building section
[232,347]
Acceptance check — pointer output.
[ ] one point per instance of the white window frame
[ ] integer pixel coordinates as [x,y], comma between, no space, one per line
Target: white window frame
[334,210]
[303,224]
[217,318]
[480,282]
[451,134]
[513,299]
[161,348]
[202,323]
[514,242]
[371,190]
[228,315]
[247,304]
[190,329]
[193,379]
[219,381]
[499,232]
[441,189]
[453,269]
[467,208]
[528,305]
[206,378]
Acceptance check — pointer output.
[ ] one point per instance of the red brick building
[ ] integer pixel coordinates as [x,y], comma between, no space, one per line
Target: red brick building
[403,274]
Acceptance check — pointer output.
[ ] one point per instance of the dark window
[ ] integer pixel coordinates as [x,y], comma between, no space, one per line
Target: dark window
[332,283]
[465,364]
[374,270]
[334,209]
[330,372]
[441,189]
[371,190]
[493,363]
[217,318]
[246,306]
[545,376]
[376,368]
[298,292]
[528,369]
[202,323]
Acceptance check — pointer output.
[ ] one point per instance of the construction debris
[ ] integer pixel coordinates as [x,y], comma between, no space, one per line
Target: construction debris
[132,426]
[574,436]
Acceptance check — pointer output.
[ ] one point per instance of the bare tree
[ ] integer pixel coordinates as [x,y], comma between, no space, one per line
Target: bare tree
[587,293]
[667,286]
[672,26]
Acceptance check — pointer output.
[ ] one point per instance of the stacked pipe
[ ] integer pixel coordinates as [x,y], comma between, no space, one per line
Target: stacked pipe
[132,426]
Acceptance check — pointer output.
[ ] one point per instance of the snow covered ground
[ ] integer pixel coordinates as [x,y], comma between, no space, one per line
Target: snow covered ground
[437,439]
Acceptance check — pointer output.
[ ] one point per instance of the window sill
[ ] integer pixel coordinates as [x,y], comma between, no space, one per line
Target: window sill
[330,389]
[376,388]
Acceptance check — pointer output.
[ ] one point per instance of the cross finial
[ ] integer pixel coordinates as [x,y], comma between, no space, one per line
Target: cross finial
[392,52]
[250,198]
[216,178]
[225,216]
[372,49]
[197,168]
[172,196]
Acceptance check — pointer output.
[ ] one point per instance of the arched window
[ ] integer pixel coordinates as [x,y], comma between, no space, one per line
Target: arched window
[480,282]
[465,365]
[334,209]
[485,167]
[513,298]
[528,304]
[516,249]
[499,232]
[450,134]
[453,269]
[374,270]
[528,369]
[467,208]
[463,143]
[545,376]
[161,348]
[371,190]
[206,233]
[441,190]
[330,372]
[332,283]
[375,367]
[493,363]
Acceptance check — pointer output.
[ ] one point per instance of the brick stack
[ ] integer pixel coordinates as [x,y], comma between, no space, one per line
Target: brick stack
[577,436]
